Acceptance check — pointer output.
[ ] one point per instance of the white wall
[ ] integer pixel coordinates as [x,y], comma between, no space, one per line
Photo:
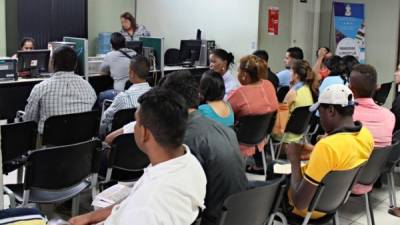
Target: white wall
[103,16]
[233,24]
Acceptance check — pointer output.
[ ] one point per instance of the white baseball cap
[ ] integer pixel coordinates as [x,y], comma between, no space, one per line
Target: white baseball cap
[336,94]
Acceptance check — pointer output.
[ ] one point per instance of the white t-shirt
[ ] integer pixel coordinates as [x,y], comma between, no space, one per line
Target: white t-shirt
[170,193]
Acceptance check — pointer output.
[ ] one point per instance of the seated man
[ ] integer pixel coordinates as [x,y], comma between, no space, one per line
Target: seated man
[285,75]
[214,145]
[347,145]
[271,76]
[64,93]
[172,189]
[138,70]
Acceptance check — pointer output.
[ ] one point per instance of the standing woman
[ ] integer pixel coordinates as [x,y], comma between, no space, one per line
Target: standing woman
[220,60]
[130,29]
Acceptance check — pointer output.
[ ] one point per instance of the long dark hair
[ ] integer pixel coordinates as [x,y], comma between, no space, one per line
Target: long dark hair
[128,16]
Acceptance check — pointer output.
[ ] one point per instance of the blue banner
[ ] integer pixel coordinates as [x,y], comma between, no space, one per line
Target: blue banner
[350,29]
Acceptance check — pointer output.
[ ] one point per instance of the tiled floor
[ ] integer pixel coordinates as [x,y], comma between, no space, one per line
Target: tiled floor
[352,213]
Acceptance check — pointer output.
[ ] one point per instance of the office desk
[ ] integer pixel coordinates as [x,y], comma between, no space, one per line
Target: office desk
[14,94]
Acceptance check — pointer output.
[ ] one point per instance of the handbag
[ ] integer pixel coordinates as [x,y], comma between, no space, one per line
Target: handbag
[282,117]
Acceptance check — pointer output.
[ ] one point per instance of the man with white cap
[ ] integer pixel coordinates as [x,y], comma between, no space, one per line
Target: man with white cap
[347,145]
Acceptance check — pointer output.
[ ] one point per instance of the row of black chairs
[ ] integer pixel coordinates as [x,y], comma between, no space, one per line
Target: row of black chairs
[61,155]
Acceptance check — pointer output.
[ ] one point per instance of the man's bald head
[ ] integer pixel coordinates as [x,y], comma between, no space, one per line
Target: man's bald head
[363,81]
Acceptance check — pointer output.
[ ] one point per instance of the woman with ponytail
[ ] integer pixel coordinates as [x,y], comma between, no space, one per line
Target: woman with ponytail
[220,61]
[302,93]
[256,96]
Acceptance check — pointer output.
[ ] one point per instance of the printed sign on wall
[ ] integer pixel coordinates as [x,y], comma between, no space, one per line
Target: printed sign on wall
[350,30]
[273,20]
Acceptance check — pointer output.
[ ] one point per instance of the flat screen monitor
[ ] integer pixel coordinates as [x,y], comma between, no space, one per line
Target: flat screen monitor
[8,69]
[81,50]
[33,62]
[136,46]
[156,47]
[190,50]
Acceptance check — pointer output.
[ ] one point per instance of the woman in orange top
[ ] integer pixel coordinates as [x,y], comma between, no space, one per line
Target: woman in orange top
[256,96]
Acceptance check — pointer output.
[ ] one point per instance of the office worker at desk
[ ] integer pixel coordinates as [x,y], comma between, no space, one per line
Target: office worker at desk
[64,93]
[130,29]
[27,44]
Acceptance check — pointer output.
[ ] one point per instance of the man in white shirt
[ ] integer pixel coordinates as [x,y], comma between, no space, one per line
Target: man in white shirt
[138,70]
[285,75]
[172,189]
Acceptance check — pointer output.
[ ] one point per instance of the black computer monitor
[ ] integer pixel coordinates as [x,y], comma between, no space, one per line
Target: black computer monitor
[136,46]
[33,62]
[8,69]
[190,50]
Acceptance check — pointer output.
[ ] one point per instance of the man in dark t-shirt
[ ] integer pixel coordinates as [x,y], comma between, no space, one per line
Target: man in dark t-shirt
[214,145]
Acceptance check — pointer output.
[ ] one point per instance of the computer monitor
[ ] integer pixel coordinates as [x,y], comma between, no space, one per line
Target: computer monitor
[190,50]
[8,69]
[33,62]
[136,46]
[154,46]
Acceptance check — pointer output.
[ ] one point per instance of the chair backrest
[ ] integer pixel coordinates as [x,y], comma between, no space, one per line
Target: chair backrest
[281,93]
[125,154]
[61,167]
[333,190]
[251,207]
[172,57]
[299,120]
[394,157]
[17,139]
[252,129]
[382,94]
[70,128]
[375,165]
[123,117]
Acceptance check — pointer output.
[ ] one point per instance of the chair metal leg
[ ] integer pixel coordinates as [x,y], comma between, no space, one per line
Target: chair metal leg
[272,149]
[280,146]
[277,214]
[264,160]
[369,210]
[307,218]
[75,206]
[336,220]
[392,189]
[20,173]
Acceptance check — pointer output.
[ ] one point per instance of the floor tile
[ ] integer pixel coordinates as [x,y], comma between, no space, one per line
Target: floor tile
[381,218]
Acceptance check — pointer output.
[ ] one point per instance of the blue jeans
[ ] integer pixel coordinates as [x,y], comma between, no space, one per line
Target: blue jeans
[106,95]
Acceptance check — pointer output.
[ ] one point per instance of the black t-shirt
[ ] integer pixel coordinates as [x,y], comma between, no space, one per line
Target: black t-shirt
[217,149]
[396,111]
[273,78]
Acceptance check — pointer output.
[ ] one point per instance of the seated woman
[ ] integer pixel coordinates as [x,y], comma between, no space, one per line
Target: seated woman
[256,96]
[300,94]
[220,62]
[212,92]
[27,44]
[337,68]
[130,29]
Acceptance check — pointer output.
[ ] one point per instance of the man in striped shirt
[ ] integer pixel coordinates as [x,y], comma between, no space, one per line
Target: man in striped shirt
[138,70]
[63,93]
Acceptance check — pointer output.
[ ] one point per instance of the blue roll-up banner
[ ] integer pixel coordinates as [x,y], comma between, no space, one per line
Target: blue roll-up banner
[350,30]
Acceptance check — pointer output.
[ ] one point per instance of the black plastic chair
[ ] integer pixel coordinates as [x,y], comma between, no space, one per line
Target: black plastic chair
[298,124]
[371,172]
[57,174]
[281,94]
[125,160]
[382,94]
[16,140]
[251,130]
[392,162]
[70,128]
[123,117]
[172,57]
[255,206]
[332,192]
